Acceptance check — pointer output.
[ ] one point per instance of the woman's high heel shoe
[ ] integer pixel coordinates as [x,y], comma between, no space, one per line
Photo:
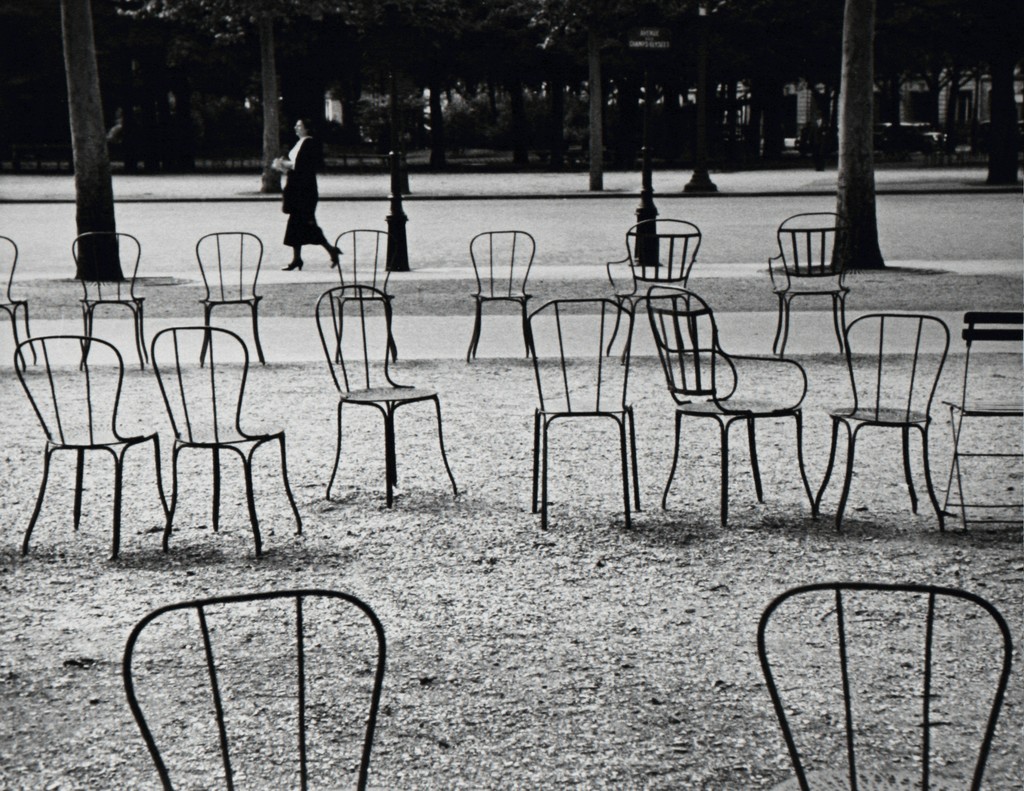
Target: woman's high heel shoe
[292,265]
[335,256]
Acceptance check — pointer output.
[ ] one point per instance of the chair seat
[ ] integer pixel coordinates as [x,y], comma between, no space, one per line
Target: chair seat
[378,394]
[883,416]
[989,408]
[239,301]
[739,406]
[872,780]
[812,286]
[122,301]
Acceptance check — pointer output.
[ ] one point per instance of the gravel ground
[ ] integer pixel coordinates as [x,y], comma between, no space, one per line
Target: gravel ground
[584,656]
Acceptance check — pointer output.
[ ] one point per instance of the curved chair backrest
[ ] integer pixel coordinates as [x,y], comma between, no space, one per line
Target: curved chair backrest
[112,259]
[203,401]
[75,389]
[574,374]
[501,262]
[662,251]
[229,262]
[364,258]
[295,681]
[905,680]
[352,322]
[8,263]
[994,327]
[878,348]
[806,242]
[686,336]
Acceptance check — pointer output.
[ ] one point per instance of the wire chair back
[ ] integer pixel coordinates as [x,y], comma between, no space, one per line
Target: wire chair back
[295,680]
[501,262]
[75,390]
[354,333]
[364,258]
[806,242]
[573,374]
[899,681]
[204,402]
[992,327]
[8,263]
[106,253]
[229,262]
[878,348]
[662,251]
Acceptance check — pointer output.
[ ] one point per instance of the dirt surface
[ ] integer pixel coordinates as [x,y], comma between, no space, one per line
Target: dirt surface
[584,656]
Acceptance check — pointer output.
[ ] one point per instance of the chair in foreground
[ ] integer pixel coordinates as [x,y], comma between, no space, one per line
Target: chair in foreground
[230,265]
[895,361]
[204,405]
[354,324]
[706,382]
[10,305]
[574,381]
[501,263]
[103,254]
[75,391]
[991,330]
[658,253]
[880,686]
[364,259]
[294,678]
[805,267]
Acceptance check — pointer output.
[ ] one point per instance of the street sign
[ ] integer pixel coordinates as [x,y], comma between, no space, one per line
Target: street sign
[649,38]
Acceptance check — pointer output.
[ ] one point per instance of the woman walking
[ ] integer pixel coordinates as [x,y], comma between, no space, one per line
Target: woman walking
[301,195]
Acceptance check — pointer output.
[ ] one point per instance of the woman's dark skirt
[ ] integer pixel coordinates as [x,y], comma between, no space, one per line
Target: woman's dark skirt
[302,229]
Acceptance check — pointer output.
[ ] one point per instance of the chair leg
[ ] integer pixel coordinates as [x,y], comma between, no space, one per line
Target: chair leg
[724,430]
[216,490]
[778,329]
[536,459]
[79,474]
[754,467]
[140,338]
[174,496]
[392,346]
[675,461]
[850,451]
[836,301]
[207,316]
[440,441]
[632,445]
[544,476]
[905,437]
[615,329]
[337,454]
[816,505]
[527,332]
[474,339]
[287,486]
[118,488]
[253,307]
[159,476]
[39,501]
[624,456]
[390,464]
[939,513]
[251,501]
[842,322]
[800,457]
[955,424]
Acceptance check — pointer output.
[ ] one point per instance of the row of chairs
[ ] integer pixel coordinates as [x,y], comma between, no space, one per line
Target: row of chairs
[861,676]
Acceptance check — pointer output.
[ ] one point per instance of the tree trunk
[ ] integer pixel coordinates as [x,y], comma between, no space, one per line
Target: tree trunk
[855,191]
[596,115]
[270,181]
[1002,151]
[94,191]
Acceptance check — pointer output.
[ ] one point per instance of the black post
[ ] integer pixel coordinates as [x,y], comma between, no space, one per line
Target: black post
[700,181]
[398,246]
[646,210]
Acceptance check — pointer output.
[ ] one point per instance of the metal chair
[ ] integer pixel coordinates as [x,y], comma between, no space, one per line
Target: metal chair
[352,336]
[364,258]
[895,361]
[658,253]
[706,382]
[294,677]
[805,267]
[205,409]
[501,264]
[99,252]
[230,265]
[10,305]
[575,382]
[75,392]
[880,686]
[984,328]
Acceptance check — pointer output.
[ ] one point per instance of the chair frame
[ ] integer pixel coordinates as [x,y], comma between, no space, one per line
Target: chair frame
[645,276]
[807,263]
[981,327]
[706,399]
[544,417]
[385,399]
[56,439]
[10,305]
[854,423]
[349,243]
[114,292]
[183,433]
[933,592]
[513,283]
[241,293]
[200,605]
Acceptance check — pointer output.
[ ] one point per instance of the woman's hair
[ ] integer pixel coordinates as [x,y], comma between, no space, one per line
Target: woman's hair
[308,123]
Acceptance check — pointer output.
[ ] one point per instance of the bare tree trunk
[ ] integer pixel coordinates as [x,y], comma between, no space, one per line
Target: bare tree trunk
[94,191]
[270,180]
[855,191]
[596,114]
[1002,151]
